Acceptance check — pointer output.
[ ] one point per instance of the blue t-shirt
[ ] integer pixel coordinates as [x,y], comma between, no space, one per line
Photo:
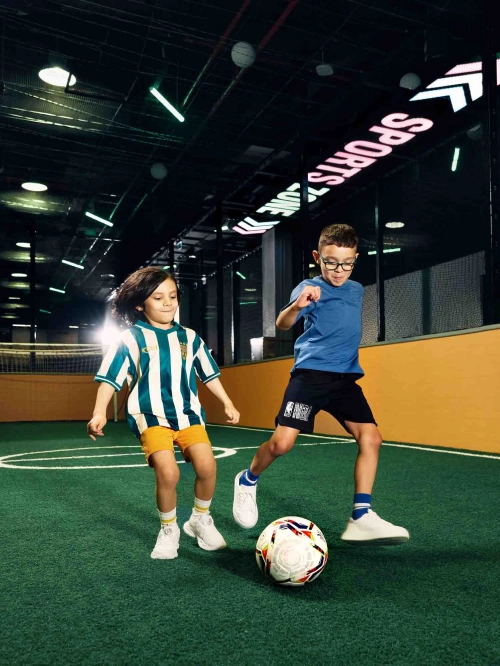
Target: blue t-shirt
[332,328]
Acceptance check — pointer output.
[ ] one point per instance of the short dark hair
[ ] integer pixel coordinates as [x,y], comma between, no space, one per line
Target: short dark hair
[338,234]
[137,288]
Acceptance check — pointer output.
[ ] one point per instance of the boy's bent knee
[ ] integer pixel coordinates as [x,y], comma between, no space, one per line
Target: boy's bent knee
[371,441]
[280,445]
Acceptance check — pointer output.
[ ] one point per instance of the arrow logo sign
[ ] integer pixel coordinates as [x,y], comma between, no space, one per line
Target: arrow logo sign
[250,226]
[456,95]
[469,74]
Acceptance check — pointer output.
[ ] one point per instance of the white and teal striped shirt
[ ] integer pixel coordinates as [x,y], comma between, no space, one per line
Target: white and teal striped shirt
[160,367]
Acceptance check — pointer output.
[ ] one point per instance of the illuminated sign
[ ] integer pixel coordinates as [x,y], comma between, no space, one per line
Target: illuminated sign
[249,226]
[455,83]
[393,130]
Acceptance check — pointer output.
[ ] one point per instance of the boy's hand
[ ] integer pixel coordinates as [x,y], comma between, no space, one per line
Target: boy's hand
[233,415]
[95,426]
[308,295]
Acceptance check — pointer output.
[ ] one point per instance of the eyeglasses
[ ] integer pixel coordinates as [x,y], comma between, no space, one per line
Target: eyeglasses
[333,265]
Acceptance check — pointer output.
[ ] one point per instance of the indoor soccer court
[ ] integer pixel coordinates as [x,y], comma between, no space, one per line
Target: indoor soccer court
[249,212]
[78,585]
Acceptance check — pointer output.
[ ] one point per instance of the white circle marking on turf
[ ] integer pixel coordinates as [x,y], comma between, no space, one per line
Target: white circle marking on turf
[219,452]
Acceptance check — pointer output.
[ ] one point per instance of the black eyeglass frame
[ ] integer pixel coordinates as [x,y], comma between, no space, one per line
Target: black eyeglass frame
[337,264]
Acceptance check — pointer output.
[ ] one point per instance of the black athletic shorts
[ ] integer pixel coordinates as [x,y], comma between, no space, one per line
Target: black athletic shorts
[310,391]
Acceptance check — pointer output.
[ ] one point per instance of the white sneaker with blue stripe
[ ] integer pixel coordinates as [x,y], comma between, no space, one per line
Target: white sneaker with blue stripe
[245,511]
[372,530]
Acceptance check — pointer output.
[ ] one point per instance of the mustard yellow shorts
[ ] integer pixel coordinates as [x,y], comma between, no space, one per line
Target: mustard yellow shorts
[159,438]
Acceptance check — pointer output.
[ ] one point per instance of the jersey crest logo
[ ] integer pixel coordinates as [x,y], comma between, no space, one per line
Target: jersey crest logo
[184,350]
[151,348]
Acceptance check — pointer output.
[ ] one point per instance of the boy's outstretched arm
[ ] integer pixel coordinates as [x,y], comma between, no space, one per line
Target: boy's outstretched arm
[99,420]
[286,318]
[215,387]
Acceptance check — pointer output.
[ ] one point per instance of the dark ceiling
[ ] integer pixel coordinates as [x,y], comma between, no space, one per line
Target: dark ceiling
[94,143]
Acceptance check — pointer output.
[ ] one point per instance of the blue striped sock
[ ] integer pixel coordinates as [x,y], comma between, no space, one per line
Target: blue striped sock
[362,502]
[248,479]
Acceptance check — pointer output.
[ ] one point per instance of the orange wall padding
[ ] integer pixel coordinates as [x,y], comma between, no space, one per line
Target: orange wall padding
[49,398]
[435,391]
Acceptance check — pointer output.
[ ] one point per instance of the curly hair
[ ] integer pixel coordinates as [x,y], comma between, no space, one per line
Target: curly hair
[137,288]
[338,234]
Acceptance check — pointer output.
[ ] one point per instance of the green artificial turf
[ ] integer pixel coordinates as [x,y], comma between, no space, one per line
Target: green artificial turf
[78,585]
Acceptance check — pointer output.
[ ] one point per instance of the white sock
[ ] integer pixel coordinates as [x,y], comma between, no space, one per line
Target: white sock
[201,507]
[168,518]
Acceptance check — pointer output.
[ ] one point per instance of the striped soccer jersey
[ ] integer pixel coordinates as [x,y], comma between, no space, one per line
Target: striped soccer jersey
[160,367]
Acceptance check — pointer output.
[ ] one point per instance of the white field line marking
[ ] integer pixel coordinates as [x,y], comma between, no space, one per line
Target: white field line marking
[218,425]
[335,440]
[453,453]
[103,455]
[14,464]
[225,453]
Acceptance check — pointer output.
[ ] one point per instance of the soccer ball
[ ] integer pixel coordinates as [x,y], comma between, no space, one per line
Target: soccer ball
[291,551]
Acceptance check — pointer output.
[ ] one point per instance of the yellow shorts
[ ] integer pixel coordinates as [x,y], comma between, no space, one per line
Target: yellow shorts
[159,438]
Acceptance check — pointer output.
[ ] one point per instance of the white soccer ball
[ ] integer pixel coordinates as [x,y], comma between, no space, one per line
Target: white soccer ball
[291,551]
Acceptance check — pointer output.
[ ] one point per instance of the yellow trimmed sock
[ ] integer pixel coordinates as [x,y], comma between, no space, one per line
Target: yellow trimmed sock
[201,507]
[167,518]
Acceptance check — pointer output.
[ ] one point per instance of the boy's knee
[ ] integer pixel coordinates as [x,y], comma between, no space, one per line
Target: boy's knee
[372,440]
[279,445]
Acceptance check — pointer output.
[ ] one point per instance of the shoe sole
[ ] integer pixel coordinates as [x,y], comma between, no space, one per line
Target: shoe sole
[157,557]
[236,486]
[385,541]
[202,544]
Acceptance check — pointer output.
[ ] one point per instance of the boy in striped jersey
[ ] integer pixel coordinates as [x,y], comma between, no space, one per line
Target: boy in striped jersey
[160,360]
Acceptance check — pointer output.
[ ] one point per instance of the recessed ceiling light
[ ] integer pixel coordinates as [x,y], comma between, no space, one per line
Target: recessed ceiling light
[56,76]
[34,187]
[19,274]
[192,256]
[395,225]
[14,298]
[107,275]
[23,244]
[73,327]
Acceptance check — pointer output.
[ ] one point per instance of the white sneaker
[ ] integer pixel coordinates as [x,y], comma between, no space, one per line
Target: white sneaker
[370,529]
[203,528]
[167,543]
[245,511]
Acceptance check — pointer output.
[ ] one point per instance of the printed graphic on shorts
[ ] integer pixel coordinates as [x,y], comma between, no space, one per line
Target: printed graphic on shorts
[296,410]
[301,412]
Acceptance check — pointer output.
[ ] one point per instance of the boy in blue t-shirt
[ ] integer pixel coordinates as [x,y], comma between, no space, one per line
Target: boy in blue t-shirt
[324,378]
